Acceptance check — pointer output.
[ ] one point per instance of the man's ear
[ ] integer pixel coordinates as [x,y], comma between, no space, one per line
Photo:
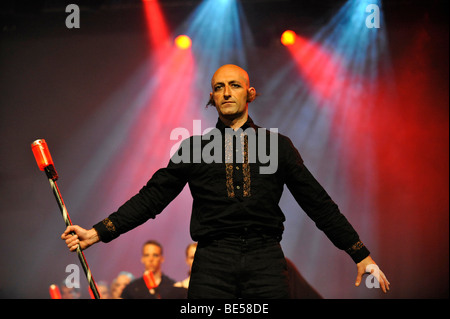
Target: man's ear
[251,94]
[211,100]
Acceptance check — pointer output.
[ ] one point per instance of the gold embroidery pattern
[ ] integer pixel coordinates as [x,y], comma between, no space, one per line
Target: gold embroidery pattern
[355,247]
[229,164]
[230,187]
[109,225]
[246,169]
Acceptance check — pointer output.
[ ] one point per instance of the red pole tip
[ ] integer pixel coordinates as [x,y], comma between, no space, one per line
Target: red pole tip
[149,280]
[54,292]
[41,154]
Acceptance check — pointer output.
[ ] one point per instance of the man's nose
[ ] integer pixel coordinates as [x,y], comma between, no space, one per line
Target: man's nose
[226,92]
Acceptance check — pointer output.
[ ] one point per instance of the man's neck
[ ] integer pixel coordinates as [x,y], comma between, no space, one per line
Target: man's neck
[157,275]
[234,122]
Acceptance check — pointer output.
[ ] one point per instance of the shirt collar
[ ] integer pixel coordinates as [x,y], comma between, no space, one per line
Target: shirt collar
[249,123]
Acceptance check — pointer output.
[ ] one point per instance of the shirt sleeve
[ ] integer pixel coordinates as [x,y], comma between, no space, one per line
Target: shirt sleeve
[319,206]
[151,200]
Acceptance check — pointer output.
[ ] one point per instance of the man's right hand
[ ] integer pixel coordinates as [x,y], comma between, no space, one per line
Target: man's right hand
[81,236]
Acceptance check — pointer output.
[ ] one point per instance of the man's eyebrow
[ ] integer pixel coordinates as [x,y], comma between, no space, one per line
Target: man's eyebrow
[229,82]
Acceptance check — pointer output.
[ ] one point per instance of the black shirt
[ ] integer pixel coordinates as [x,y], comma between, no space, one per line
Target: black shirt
[137,289]
[233,194]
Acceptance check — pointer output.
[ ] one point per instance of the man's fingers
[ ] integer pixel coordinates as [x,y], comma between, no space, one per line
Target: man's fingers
[67,232]
[385,278]
[72,242]
[71,238]
[358,279]
[73,245]
[378,275]
[384,282]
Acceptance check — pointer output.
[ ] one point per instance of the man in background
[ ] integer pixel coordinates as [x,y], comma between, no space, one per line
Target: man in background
[190,253]
[152,259]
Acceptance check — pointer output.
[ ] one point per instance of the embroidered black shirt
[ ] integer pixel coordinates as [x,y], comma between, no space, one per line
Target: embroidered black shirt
[232,194]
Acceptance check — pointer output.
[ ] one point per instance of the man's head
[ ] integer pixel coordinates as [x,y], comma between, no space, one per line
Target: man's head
[190,253]
[119,283]
[70,293]
[152,256]
[231,91]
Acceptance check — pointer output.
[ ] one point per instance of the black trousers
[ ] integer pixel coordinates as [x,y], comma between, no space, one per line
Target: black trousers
[249,266]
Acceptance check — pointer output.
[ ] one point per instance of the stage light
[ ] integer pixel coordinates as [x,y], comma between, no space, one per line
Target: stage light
[158,31]
[219,29]
[288,37]
[331,86]
[343,59]
[183,42]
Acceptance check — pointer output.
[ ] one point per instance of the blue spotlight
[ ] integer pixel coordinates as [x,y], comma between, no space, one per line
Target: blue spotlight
[334,131]
[218,29]
[357,34]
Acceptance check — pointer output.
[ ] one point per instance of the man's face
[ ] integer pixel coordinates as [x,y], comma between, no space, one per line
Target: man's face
[231,91]
[190,256]
[119,284]
[152,258]
[69,293]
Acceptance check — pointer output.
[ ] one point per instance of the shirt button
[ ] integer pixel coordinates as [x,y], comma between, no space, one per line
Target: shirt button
[237,167]
[238,187]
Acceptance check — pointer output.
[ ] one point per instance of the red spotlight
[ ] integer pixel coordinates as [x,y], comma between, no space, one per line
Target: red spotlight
[156,23]
[183,42]
[288,37]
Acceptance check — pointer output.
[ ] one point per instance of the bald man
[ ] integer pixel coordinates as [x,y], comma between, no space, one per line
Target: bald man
[236,219]
[231,93]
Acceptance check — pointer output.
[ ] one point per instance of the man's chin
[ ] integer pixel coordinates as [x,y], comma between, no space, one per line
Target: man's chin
[231,114]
